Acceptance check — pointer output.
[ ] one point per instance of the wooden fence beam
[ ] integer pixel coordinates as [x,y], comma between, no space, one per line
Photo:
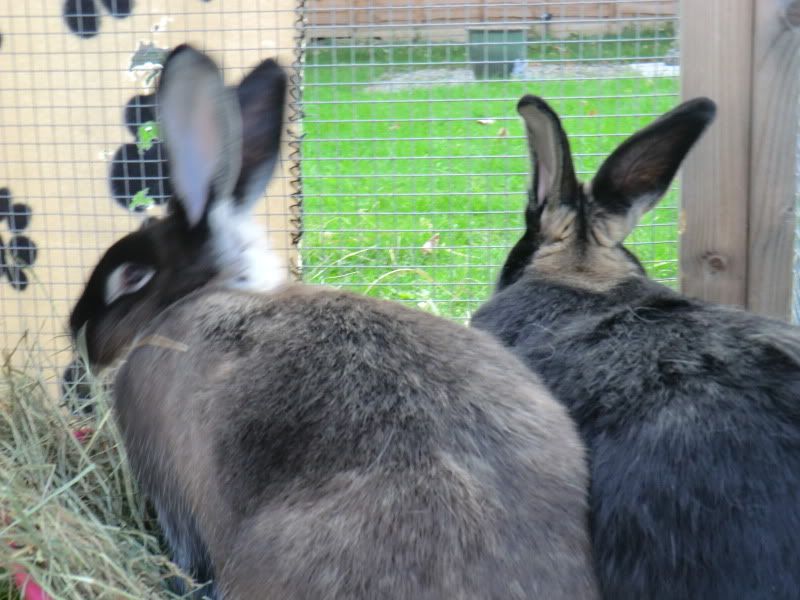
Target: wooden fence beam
[739,186]
[716,57]
[773,181]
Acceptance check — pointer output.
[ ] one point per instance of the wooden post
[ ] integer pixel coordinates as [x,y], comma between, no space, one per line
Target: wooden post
[716,54]
[773,181]
[739,184]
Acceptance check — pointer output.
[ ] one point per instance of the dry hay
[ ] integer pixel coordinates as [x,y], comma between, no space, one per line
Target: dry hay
[70,515]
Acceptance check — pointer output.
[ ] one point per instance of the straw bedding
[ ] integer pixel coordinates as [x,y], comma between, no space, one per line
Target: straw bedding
[70,515]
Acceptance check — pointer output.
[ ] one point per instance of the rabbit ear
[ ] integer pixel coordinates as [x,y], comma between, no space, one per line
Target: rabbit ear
[201,125]
[554,190]
[638,173]
[261,97]
[554,180]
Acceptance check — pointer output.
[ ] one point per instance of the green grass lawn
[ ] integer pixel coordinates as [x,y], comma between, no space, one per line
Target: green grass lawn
[387,171]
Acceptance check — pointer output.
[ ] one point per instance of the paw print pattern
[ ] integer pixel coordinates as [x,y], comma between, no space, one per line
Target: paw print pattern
[19,254]
[83,16]
[76,391]
[139,174]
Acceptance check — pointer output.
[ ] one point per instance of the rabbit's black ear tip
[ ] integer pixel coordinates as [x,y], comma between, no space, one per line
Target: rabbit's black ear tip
[269,63]
[180,48]
[703,108]
[531,100]
[176,51]
[185,58]
[188,54]
[530,106]
[271,69]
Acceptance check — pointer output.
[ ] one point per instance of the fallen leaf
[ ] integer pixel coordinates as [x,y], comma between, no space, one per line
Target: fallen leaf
[394,127]
[486,121]
[142,199]
[146,134]
[432,242]
[502,132]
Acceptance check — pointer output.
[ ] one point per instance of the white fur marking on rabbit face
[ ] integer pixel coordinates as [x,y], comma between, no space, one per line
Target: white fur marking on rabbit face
[126,279]
[242,250]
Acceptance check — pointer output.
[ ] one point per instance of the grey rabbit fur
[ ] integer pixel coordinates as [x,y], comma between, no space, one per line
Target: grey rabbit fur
[302,442]
[690,411]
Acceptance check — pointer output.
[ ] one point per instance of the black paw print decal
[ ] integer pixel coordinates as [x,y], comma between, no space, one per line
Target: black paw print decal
[83,16]
[18,255]
[139,175]
[76,391]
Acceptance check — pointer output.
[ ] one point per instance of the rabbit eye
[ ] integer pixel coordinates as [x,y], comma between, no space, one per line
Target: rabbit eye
[127,279]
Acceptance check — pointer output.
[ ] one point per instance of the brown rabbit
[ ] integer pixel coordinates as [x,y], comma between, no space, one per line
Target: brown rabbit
[303,442]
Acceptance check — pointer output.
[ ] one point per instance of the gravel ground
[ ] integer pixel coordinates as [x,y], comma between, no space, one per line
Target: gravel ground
[532,71]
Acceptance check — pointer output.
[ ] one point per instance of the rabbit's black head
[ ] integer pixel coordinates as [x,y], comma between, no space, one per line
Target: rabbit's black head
[222,145]
[574,232]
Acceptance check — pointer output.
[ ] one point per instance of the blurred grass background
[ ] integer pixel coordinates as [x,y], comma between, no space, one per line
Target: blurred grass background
[415,191]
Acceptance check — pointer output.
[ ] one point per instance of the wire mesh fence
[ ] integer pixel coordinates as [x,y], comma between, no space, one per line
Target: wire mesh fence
[414,162]
[80,157]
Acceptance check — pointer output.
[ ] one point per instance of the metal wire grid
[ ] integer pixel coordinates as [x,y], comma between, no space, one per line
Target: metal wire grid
[414,178]
[414,171]
[50,90]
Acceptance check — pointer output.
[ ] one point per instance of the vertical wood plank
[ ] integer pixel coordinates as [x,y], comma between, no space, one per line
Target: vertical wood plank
[716,46]
[776,84]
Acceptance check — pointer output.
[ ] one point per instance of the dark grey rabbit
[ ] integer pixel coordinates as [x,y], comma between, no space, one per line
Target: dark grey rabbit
[302,442]
[690,412]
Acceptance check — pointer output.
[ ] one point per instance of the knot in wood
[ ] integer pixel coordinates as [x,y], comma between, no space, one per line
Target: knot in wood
[716,262]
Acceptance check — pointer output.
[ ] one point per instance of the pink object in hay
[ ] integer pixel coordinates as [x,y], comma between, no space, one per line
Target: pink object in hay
[28,587]
[83,434]
[25,584]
